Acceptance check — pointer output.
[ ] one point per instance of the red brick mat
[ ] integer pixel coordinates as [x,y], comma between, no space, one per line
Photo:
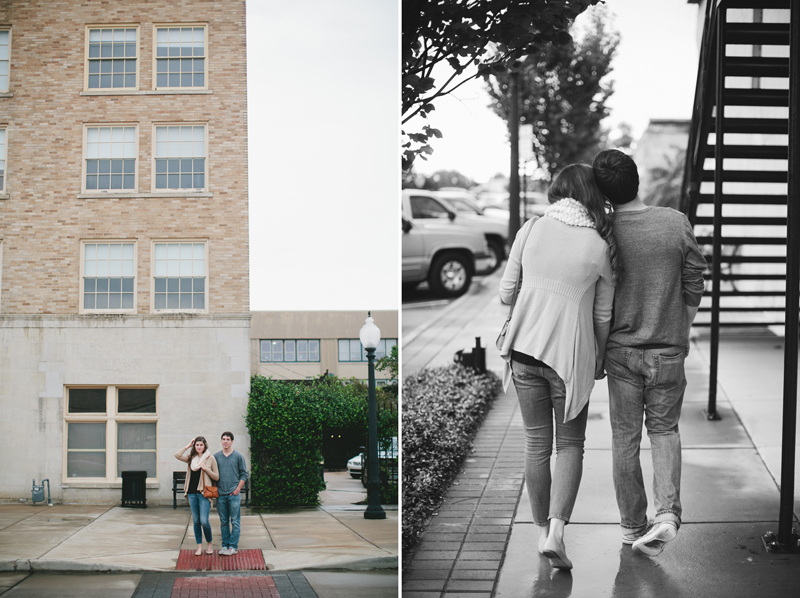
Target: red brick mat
[245,560]
[253,586]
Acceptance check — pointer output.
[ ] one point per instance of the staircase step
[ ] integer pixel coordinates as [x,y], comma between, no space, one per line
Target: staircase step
[759,152]
[755,97]
[737,277]
[740,324]
[755,221]
[761,66]
[757,4]
[749,259]
[744,309]
[773,126]
[766,34]
[749,176]
[708,240]
[749,293]
[744,199]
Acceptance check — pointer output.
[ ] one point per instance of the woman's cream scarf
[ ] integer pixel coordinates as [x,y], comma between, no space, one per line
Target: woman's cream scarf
[197,461]
[570,211]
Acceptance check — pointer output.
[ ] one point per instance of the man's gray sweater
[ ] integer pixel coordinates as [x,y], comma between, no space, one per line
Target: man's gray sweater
[231,469]
[663,274]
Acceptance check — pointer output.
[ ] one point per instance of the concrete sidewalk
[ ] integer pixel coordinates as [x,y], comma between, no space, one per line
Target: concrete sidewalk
[482,541]
[102,538]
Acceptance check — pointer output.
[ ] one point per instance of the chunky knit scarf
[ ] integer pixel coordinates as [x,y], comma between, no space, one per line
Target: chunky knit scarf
[197,461]
[570,211]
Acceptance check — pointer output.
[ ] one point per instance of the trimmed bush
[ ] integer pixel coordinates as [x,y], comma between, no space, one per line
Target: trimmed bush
[442,410]
[286,422]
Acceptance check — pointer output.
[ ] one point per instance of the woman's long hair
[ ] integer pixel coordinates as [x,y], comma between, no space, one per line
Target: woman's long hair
[577,181]
[194,452]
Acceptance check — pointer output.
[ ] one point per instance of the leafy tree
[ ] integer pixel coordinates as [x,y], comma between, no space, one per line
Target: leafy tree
[472,37]
[665,184]
[563,95]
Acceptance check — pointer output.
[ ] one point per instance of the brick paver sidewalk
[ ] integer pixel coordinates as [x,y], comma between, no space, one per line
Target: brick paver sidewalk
[244,560]
[462,549]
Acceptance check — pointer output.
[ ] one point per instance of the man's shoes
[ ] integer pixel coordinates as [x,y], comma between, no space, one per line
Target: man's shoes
[225,552]
[232,551]
[652,543]
[631,535]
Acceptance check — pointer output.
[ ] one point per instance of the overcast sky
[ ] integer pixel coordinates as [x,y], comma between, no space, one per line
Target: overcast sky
[654,72]
[323,110]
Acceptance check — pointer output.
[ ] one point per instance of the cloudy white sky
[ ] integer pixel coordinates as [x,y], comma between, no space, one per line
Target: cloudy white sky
[323,89]
[654,74]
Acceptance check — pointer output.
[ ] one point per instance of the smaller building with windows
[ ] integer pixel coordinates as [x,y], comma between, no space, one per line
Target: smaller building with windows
[303,345]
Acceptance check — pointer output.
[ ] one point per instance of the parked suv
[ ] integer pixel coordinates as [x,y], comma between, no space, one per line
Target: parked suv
[425,207]
[446,256]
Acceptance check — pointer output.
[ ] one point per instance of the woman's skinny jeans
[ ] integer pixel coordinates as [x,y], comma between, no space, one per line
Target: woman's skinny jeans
[542,395]
[201,507]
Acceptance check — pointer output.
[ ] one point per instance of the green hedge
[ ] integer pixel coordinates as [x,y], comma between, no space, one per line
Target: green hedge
[442,410]
[286,423]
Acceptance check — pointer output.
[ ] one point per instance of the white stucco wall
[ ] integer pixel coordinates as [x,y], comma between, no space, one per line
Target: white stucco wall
[200,364]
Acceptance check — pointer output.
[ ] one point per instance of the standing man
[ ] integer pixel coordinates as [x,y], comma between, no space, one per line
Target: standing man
[232,476]
[655,303]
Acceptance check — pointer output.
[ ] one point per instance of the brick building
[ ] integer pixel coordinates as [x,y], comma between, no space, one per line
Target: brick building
[124,291]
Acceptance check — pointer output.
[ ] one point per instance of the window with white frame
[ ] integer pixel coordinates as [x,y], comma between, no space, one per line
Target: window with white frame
[350,349]
[292,350]
[109,430]
[180,57]
[180,157]
[5,57]
[110,163]
[109,276]
[2,159]
[111,58]
[179,282]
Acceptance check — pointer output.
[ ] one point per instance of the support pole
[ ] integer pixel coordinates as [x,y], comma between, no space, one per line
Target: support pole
[374,508]
[787,540]
[513,175]
[711,412]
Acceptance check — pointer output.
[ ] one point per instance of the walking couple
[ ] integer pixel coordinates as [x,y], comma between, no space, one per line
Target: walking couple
[608,286]
[226,473]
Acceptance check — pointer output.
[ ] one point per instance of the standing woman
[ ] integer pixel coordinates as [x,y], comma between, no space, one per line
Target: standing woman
[200,473]
[556,340]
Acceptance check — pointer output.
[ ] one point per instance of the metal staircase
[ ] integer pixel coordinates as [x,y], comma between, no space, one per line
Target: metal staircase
[741,191]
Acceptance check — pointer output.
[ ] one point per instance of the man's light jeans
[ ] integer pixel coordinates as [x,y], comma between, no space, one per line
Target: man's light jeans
[229,509]
[649,384]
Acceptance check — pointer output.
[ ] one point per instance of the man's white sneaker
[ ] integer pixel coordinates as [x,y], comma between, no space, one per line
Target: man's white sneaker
[224,552]
[232,551]
[631,535]
[652,543]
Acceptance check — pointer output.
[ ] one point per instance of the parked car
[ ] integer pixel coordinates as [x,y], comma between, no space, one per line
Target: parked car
[354,466]
[446,256]
[459,209]
[534,204]
[386,456]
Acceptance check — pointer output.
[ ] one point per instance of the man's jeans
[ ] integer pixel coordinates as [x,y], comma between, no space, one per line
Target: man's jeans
[201,507]
[542,395]
[230,514]
[646,383]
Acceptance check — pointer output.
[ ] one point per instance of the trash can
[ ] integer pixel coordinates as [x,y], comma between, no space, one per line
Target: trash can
[134,487]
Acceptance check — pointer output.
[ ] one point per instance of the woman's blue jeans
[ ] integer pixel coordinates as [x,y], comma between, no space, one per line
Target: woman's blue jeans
[542,395]
[201,507]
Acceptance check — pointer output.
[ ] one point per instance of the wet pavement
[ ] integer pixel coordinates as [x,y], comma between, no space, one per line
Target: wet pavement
[482,541]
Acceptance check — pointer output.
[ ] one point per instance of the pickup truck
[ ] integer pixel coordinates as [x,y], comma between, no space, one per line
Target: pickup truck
[446,256]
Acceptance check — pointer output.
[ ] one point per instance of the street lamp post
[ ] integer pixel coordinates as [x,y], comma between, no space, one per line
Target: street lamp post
[370,335]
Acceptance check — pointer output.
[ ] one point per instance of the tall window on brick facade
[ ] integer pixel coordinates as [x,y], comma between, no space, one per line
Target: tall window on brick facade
[179,281]
[111,58]
[110,158]
[5,57]
[109,276]
[180,157]
[2,159]
[180,57]
[110,430]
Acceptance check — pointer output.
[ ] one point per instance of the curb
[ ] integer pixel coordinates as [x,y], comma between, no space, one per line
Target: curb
[64,566]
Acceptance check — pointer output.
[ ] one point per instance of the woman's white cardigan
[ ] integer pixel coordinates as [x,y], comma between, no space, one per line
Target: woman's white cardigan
[563,311]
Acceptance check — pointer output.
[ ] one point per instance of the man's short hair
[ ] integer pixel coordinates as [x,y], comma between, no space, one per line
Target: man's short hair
[224,434]
[617,176]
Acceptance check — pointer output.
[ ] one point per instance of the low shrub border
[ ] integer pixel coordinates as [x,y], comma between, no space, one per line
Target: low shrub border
[442,410]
